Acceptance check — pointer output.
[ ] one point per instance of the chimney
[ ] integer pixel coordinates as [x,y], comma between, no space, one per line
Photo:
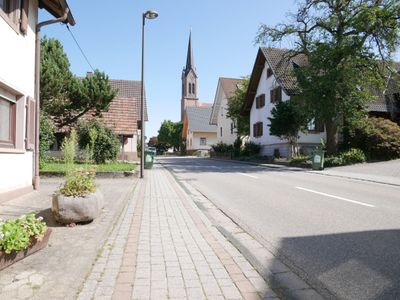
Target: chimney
[89,74]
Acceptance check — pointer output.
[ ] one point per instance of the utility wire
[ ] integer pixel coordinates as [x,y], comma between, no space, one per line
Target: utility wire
[83,53]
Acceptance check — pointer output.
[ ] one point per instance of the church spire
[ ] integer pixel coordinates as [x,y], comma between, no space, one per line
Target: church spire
[189,58]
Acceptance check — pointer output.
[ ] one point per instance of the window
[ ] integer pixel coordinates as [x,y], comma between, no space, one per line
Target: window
[15,13]
[232,127]
[203,141]
[220,131]
[276,95]
[315,126]
[269,73]
[193,89]
[258,129]
[190,88]
[7,123]
[260,101]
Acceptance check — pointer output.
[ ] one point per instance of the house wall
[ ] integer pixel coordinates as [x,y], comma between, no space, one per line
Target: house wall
[195,137]
[130,149]
[268,142]
[224,122]
[17,77]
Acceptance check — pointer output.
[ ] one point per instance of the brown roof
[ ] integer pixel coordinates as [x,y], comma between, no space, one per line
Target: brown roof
[57,8]
[124,111]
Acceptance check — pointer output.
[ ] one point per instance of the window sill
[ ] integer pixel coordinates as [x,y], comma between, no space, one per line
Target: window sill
[11,150]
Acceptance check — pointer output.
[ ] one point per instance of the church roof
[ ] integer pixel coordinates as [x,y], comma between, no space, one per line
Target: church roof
[198,119]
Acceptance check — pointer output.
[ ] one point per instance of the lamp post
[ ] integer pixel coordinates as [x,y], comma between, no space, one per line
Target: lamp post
[150,14]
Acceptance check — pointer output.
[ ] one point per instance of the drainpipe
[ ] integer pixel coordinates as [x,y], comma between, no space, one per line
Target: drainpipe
[36,179]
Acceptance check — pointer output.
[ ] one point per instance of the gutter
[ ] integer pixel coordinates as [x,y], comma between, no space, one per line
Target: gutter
[36,178]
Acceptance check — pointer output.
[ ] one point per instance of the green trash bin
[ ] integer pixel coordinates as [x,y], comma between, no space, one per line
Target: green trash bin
[148,159]
[318,159]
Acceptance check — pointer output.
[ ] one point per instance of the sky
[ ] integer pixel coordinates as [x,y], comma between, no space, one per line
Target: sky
[223,33]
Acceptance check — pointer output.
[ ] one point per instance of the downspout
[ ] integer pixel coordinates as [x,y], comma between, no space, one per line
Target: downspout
[36,179]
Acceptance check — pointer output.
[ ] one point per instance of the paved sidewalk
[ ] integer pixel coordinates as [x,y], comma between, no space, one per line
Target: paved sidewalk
[165,248]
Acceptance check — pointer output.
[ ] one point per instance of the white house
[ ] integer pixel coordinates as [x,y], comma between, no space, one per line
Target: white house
[18,21]
[197,131]
[226,129]
[272,81]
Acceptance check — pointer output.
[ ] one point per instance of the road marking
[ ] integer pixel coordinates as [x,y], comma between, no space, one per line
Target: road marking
[252,176]
[336,197]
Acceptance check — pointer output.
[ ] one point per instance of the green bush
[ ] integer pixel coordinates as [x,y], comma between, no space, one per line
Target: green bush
[222,147]
[300,160]
[251,149]
[15,234]
[79,183]
[102,141]
[379,139]
[68,148]
[46,136]
[352,156]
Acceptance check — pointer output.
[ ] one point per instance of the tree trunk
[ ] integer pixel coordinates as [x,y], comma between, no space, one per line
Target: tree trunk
[331,137]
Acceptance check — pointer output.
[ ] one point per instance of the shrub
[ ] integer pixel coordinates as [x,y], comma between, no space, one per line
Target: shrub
[353,156]
[101,140]
[68,148]
[15,234]
[379,138]
[300,160]
[46,136]
[237,146]
[251,149]
[222,147]
[79,183]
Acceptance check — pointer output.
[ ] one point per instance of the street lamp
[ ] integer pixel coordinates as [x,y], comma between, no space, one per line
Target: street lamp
[150,14]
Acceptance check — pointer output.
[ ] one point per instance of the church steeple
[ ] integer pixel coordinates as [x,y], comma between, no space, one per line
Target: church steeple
[189,57]
[189,81]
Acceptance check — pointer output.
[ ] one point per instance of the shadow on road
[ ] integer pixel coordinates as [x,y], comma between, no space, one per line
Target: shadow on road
[358,265]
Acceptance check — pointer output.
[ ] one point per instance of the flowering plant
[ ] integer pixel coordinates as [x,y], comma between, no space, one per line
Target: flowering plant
[16,234]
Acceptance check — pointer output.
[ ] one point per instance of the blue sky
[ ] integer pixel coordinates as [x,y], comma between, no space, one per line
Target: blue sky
[223,34]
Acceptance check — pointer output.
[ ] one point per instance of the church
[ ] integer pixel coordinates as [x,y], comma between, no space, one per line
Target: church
[197,132]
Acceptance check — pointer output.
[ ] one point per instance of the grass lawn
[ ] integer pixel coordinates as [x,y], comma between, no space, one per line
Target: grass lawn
[108,167]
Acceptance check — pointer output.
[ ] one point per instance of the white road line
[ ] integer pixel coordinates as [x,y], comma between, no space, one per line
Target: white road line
[336,197]
[252,176]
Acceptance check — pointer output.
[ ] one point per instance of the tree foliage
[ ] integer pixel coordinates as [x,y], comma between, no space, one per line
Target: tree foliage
[348,45]
[46,136]
[170,133]
[235,105]
[66,97]
[287,120]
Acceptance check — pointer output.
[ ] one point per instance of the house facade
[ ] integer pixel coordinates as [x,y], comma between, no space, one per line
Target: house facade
[198,133]
[123,116]
[18,20]
[271,82]
[226,128]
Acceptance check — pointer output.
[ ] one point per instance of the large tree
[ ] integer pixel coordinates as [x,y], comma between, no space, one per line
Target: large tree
[170,134]
[66,97]
[235,104]
[348,45]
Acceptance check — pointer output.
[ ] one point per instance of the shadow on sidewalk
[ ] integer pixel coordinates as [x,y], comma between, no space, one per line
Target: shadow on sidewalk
[357,265]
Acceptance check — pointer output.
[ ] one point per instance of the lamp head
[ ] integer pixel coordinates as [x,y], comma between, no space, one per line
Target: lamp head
[150,14]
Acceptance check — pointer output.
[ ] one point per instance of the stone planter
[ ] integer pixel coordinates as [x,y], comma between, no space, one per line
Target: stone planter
[67,210]
[34,246]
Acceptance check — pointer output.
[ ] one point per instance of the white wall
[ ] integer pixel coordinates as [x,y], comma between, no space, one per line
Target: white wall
[195,136]
[267,141]
[17,75]
[223,121]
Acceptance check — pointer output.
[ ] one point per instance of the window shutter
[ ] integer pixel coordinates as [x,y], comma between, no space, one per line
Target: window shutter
[261,129]
[24,16]
[30,124]
[272,96]
[262,100]
[279,94]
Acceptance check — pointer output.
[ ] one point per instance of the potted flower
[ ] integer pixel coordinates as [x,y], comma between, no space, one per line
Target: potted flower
[77,200]
[21,237]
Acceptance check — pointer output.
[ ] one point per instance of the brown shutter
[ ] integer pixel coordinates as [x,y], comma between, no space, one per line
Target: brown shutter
[24,16]
[279,94]
[262,100]
[30,124]
[272,96]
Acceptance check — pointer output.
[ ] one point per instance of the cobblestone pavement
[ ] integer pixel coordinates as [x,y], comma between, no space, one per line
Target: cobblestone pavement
[165,248]
[57,271]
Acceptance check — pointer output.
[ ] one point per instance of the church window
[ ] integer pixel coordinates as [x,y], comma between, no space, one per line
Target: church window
[190,88]
[193,90]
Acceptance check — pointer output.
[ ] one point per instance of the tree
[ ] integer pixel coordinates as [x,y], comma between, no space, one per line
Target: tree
[153,141]
[235,104]
[46,136]
[170,134]
[348,45]
[66,97]
[286,122]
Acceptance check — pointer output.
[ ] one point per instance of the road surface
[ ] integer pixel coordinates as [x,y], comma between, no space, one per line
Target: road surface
[340,235]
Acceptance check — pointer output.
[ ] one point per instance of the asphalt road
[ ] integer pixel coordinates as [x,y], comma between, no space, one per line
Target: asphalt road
[341,235]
